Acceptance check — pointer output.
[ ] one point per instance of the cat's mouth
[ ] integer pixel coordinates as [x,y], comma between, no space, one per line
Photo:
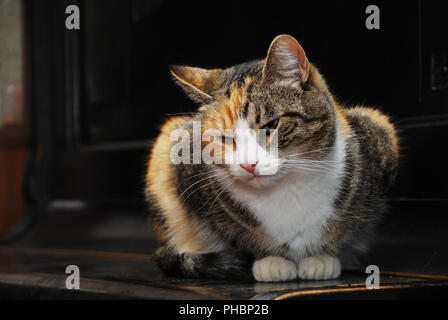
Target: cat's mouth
[258,181]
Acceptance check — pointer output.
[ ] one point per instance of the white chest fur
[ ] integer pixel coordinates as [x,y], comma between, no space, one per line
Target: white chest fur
[297,208]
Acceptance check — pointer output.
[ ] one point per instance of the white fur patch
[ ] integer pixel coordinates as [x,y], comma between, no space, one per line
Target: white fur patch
[249,151]
[323,267]
[273,269]
[294,210]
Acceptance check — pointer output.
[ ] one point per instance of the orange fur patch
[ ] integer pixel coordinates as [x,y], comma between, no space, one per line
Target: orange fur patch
[161,184]
[342,120]
[224,117]
[316,78]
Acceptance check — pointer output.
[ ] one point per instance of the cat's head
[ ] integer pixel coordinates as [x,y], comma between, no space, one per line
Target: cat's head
[283,94]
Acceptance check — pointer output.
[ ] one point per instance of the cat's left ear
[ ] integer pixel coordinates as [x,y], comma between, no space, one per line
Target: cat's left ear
[198,83]
[286,61]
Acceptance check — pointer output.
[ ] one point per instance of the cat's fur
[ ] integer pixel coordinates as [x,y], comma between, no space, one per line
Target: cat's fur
[336,164]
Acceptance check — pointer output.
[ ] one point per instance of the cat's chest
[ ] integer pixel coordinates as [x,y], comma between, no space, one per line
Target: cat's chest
[295,211]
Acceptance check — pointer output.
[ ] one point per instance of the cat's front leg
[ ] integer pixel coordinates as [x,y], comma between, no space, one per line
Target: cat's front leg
[319,267]
[274,269]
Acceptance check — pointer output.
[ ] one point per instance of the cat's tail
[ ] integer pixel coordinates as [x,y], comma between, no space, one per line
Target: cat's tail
[213,265]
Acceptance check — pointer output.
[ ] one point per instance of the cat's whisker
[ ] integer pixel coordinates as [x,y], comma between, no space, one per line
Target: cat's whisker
[315,164]
[311,161]
[206,178]
[203,186]
[302,168]
[200,174]
[311,165]
[223,189]
[334,163]
[308,152]
[305,169]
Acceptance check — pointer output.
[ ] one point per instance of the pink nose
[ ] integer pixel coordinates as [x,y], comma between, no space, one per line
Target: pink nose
[249,166]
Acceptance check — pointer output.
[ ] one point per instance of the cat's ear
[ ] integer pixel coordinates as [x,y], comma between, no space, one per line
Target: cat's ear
[286,61]
[198,83]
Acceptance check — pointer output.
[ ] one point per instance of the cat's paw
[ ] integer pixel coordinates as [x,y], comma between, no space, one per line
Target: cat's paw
[321,267]
[274,269]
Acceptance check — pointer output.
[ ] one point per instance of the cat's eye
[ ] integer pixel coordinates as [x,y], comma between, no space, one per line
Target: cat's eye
[272,125]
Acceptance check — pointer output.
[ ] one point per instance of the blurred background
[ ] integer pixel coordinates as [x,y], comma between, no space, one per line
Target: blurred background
[78,108]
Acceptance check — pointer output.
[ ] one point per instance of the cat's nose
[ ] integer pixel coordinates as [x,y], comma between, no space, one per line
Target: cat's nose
[249,166]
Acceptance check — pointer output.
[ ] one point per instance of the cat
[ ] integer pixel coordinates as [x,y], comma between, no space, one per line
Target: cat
[317,207]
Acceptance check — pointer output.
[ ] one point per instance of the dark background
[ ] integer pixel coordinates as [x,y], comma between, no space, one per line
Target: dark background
[100,93]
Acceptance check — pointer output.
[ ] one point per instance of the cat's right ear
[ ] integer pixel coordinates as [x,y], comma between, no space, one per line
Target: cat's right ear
[286,61]
[198,83]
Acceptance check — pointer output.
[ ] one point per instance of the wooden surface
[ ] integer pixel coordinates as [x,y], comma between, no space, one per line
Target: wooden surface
[113,250]
[12,165]
[32,273]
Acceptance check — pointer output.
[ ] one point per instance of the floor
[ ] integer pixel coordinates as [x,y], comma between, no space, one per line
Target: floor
[113,252]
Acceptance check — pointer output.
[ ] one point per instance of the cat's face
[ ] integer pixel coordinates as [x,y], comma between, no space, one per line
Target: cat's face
[266,119]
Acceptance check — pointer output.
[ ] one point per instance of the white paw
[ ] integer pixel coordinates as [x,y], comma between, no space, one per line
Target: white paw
[322,267]
[274,269]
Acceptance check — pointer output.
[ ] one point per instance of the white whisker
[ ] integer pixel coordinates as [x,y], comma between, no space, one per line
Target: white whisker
[206,178]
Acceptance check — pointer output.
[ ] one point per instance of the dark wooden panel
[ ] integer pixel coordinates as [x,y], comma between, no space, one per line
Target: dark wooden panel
[12,166]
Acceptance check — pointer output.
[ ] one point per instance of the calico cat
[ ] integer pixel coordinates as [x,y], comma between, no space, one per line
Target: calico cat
[317,207]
